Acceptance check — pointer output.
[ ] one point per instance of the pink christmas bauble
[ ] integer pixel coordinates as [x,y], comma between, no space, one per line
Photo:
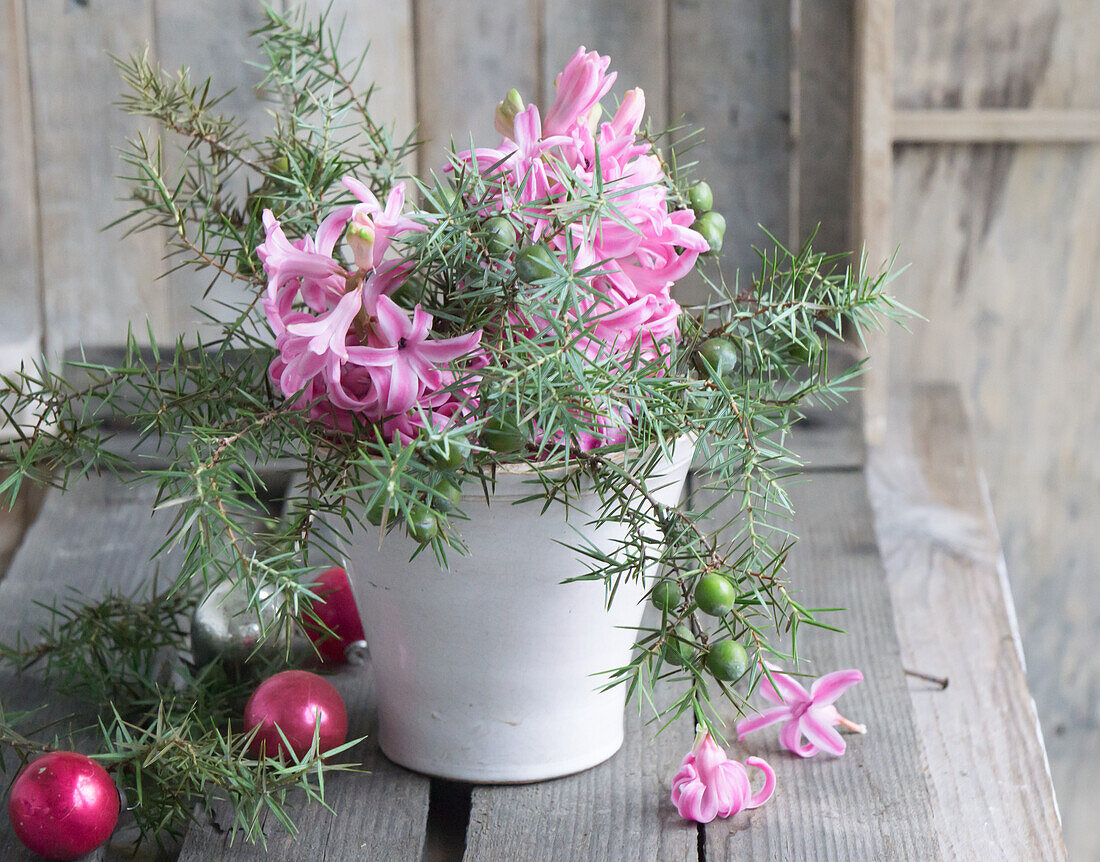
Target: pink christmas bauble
[338,611]
[298,702]
[63,805]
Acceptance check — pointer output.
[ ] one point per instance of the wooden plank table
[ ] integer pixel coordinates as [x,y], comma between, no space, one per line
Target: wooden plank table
[955,773]
[955,619]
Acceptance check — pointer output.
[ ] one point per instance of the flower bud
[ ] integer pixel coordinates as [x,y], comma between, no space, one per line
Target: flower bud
[505,115]
[360,238]
[628,119]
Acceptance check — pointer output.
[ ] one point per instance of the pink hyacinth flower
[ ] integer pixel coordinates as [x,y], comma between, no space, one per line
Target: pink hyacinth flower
[328,332]
[629,258]
[810,714]
[407,360]
[581,84]
[294,266]
[711,785]
[372,228]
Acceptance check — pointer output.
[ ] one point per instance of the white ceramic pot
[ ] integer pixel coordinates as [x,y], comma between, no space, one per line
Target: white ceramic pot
[488,671]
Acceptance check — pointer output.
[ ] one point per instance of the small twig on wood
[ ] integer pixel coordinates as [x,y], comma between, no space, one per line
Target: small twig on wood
[941,681]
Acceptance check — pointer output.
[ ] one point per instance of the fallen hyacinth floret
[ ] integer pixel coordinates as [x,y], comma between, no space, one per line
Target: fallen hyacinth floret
[711,785]
[810,714]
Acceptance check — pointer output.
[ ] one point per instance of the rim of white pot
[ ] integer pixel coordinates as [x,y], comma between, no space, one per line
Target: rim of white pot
[519,479]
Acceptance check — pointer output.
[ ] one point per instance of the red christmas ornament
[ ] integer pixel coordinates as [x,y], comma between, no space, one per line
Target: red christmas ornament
[63,805]
[299,703]
[338,611]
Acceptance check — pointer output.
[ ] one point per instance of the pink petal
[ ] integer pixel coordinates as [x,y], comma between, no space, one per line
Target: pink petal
[395,201]
[431,378]
[831,686]
[393,321]
[372,356]
[791,738]
[421,323]
[384,280]
[780,688]
[528,128]
[299,370]
[689,239]
[448,349]
[821,735]
[328,333]
[403,389]
[580,85]
[629,116]
[710,785]
[765,719]
[729,786]
[305,264]
[722,778]
[765,792]
[328,232]
[687,772]
[342,395]
[694,803]
[626,317]
[361,191]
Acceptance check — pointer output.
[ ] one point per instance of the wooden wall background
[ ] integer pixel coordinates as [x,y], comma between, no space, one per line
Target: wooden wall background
[1003,237]
[743,68]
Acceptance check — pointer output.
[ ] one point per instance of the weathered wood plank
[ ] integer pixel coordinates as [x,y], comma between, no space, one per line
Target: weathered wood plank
[211,38]
[1010,54]
[794,129]
[872,803]
[619,810]
[824,67]
[94,284]
[872,163]
[381,813]
[1004,248]
[997,126]
[387,26]
[468,55]
[955,619]
[99,535]
[633,34]
[1074,753]
[15,521]
[1009,292]
[831,438]
[729,73]
[96,537]
[20,281]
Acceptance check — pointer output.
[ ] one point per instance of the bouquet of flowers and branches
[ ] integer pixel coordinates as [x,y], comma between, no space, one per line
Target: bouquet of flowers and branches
[401,338]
